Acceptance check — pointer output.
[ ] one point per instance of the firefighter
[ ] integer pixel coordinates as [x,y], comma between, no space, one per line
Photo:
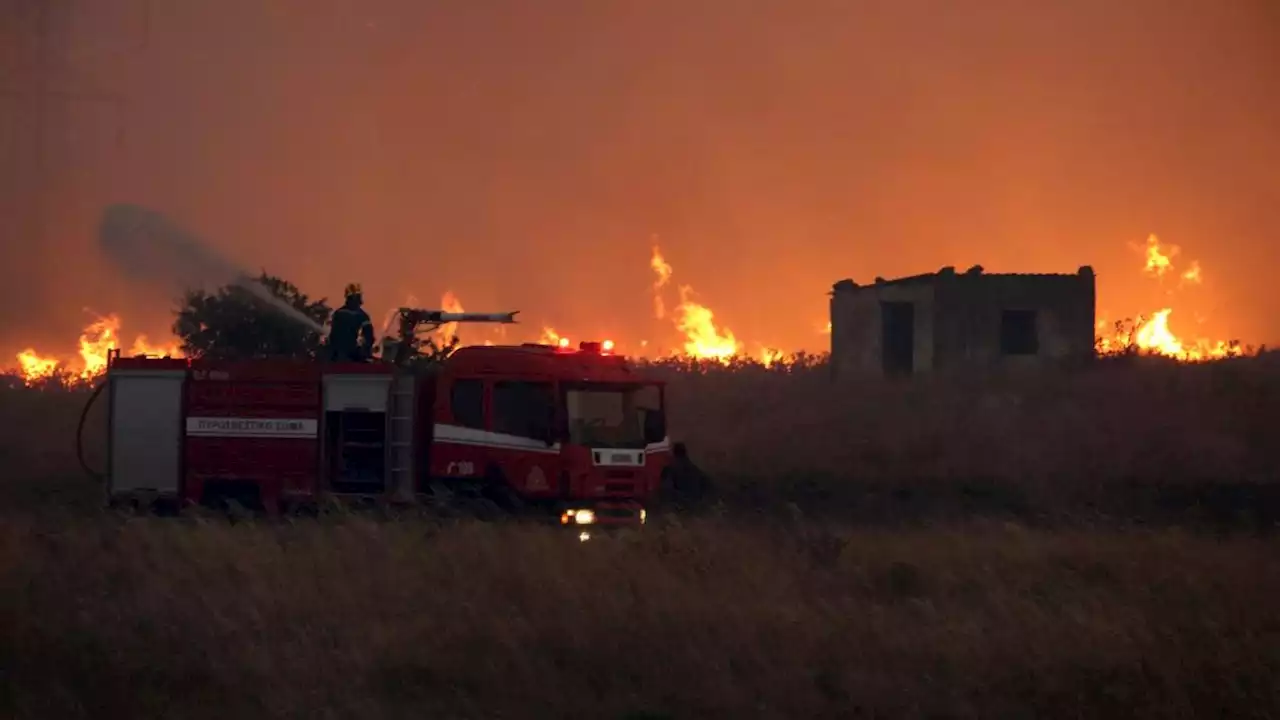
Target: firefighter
[350,323]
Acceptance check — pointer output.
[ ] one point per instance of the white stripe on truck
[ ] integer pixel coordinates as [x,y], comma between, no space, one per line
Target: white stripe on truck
[253,427]
[459,435]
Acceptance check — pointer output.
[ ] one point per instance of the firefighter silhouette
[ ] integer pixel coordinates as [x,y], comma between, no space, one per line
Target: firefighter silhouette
[349,325]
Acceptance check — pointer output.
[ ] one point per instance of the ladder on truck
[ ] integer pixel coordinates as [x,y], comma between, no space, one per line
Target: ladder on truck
[400,419]
[401,427]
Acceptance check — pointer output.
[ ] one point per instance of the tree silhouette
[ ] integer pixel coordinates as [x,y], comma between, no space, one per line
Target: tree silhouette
[233,323]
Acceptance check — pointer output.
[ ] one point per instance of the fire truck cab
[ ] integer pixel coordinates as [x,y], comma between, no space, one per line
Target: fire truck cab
[577,432]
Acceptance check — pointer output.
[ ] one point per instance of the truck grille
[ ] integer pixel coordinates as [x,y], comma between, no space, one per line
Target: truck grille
[620,482]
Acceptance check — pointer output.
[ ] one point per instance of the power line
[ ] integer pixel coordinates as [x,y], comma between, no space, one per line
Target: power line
[47,97]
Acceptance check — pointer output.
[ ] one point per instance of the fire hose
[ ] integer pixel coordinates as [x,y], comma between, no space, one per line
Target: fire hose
[84,417]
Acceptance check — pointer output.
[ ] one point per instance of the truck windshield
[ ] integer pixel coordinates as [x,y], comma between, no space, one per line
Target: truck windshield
[610,415]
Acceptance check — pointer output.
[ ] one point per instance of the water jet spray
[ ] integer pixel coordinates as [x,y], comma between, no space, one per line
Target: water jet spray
[151,249]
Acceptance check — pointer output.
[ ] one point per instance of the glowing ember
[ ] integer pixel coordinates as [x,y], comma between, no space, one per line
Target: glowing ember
[1192,274]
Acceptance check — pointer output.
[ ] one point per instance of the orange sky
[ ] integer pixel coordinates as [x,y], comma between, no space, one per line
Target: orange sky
[524,154]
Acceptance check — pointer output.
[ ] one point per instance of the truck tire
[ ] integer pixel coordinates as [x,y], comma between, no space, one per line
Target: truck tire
[497,490]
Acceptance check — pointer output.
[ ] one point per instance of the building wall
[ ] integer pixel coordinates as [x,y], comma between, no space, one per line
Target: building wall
[856,331]
[958,319]
[971,307]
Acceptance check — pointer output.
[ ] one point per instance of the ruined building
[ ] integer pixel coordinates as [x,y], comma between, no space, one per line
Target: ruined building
[947,320]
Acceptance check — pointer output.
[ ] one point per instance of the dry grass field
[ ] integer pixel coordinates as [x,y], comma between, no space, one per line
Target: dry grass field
[1086,544]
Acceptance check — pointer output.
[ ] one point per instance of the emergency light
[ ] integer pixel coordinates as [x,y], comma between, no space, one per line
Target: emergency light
[597,347]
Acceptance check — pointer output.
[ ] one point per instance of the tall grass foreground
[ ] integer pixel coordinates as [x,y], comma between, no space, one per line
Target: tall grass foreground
[812,608]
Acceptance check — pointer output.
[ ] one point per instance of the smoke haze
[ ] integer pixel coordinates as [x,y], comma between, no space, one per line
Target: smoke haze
[524,155]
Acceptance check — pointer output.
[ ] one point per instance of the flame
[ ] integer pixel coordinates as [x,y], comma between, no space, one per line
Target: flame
[1158,261]
[143,346]
[1152,334]
[702,339]
[449,302]
[702,336]
[34,367]
[97,340]
[551,337]
[662,269]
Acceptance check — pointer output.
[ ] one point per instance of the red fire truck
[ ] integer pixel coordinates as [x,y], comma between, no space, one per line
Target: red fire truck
[579,432]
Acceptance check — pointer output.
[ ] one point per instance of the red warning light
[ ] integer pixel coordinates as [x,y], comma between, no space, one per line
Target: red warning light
[600,347]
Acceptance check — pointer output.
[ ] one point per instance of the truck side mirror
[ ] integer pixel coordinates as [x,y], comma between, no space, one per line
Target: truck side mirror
[655,426]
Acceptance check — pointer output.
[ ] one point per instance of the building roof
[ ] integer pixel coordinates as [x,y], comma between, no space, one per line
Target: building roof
[848,285]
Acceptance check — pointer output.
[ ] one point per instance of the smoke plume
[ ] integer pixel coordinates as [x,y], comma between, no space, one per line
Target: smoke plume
[153,251]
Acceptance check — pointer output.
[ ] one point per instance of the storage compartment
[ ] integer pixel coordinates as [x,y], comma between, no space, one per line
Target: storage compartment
[146,431]
[356,445]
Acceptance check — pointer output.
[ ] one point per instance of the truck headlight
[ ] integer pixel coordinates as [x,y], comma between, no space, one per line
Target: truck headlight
[578,517]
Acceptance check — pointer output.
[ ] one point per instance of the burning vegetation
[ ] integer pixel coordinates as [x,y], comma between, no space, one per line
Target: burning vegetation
[698,334]
[1151,334]
[97,340]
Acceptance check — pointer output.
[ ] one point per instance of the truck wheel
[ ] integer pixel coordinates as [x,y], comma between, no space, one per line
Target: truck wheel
[499,491]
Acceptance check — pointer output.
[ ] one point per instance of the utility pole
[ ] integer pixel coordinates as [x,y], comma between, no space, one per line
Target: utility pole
[40,95]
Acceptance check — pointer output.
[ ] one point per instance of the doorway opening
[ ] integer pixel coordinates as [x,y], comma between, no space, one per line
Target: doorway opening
[898,337]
